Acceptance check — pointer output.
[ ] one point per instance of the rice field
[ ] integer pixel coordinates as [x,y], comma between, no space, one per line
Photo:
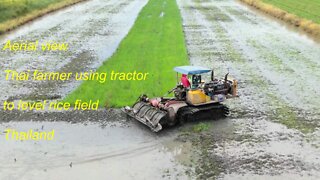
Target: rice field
[155,45]
[308,9]
[305,15]
[17,12]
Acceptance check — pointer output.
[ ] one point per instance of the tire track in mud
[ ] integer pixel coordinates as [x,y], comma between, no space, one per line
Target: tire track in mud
[264,74]
[272,89]
[56,162]
[292,76]
[93,31]
[80,149]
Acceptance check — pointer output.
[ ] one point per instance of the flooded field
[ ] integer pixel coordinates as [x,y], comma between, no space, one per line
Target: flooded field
[93,31]
[89,151]
[272,131]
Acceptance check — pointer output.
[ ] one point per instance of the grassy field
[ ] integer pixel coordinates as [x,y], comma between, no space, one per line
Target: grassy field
[154,45]
[302,14]
[16,12]
[308,9]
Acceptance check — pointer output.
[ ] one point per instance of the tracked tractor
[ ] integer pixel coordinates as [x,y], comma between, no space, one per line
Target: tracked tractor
[193,99]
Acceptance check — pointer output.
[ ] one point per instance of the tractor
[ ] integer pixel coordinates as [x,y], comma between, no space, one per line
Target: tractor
[193,100]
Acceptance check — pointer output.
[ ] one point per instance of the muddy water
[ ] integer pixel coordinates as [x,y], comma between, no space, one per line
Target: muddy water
[275,122]
[93,30]
[89,151]
[273,131]
[98,144]
[91,144]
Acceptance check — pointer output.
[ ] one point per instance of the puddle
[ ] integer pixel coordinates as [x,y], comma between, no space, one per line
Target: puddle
[83,151]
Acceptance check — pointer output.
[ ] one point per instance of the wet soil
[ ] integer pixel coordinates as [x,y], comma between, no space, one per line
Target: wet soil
[93,31]
[99,144]
[273,130]
[90,151]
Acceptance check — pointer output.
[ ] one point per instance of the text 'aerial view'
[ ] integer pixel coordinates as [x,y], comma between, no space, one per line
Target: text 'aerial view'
[160,89]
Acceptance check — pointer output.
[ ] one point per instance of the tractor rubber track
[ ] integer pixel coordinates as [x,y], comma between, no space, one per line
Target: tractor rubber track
[193,113]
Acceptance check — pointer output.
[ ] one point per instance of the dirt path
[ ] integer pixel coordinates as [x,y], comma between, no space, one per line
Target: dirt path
[93,31]
[274,126]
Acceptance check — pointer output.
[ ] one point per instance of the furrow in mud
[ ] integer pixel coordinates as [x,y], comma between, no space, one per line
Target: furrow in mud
[277,84]
[269,69]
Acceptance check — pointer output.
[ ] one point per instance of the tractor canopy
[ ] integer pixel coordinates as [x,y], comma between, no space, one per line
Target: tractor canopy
[191,70]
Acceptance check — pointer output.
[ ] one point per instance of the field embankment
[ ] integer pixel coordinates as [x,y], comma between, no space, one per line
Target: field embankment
[18,12]
[154,45]
[305,15]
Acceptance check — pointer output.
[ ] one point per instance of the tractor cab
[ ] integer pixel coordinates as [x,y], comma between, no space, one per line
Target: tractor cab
[193,71]
[200,92]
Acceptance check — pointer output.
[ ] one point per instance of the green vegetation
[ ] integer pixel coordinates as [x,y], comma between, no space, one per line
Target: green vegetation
[305,15]
[11,9]
[154,45]
[17,12]
[283,113]
[308,9]
[200,127]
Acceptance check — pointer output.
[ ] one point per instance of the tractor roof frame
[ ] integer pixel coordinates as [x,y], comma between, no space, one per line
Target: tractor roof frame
[191,70]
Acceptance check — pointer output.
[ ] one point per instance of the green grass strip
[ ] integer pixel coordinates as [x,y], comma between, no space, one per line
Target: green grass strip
[154,45]
[304,15]
[308,9]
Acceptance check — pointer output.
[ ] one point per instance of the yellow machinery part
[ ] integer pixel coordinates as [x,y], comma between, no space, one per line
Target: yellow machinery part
[196,97]
[234,88]
[208,98]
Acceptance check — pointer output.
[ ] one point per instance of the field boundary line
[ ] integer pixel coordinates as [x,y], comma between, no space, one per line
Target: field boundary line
[16,22]
[307,25]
